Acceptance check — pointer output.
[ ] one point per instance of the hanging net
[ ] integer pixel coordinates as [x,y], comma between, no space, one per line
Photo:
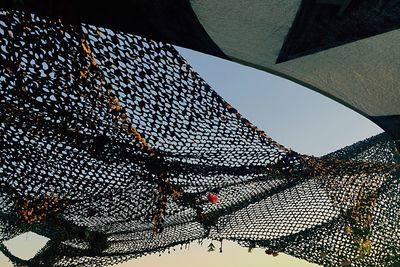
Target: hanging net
[114,147]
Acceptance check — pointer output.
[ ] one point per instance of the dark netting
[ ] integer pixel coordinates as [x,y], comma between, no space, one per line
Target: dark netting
[114,148]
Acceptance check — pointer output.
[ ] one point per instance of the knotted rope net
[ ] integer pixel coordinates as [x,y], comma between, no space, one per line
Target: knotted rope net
[114,147]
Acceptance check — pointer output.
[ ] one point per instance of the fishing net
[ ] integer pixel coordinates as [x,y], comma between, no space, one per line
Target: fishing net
[114,147]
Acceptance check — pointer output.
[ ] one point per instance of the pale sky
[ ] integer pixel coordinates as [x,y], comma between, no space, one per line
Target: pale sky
[296,117]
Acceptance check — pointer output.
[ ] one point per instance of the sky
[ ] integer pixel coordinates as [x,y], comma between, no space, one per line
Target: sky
[293,115]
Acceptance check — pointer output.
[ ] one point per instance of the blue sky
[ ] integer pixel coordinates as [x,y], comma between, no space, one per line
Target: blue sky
[293,115]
